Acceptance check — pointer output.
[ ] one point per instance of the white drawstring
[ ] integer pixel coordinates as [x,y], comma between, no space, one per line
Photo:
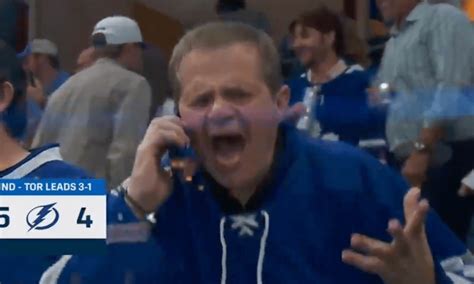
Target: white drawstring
[263,244]
[224,252]
[243,223]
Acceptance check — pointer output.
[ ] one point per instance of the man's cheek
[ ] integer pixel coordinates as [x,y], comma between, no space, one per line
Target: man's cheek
[193,120]
[260,117]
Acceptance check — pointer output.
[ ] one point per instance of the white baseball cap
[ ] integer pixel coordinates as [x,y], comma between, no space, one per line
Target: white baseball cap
[44,46]
[118,30]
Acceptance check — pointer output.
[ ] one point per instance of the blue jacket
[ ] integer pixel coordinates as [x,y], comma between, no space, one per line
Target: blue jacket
[292,231]
[341,107]
[44,162]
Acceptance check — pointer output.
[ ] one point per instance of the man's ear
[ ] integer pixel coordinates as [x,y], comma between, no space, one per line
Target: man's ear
[282,98]
[6,95]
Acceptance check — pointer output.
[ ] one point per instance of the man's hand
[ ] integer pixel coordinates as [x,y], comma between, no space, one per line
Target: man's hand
[294,113]
[415,168]
[374,97]
[149,185]
[407,259]
[36,93]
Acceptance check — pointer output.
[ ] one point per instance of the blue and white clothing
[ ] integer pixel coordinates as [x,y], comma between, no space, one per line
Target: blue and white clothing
[428,63]
[293,229]
[44,162]
[341,106]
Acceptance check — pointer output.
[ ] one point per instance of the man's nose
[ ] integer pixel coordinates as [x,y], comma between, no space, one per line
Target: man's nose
[221,112]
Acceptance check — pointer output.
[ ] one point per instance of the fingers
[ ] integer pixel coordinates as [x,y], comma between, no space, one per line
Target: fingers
[410,202]
[416,224]
[415,211]
[370,246]
[165,131]
[400,242]
[368,264]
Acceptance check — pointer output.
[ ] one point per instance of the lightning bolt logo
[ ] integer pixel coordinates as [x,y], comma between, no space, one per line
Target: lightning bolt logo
[41,213]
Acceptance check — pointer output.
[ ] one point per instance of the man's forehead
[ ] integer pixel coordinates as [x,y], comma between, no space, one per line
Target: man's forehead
[236,58]
[241,49]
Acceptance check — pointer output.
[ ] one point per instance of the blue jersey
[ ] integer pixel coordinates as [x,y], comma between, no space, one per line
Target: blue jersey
[44,162]
[292,231]
[341,106]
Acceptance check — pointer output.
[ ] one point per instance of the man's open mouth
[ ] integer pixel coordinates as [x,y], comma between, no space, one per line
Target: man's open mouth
[228,148]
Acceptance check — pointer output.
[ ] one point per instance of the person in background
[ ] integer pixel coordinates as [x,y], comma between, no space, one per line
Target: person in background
[267,203]
[85,59]
[100,115]
[42,60]
[44,76]
[430,125]
[236,11]
[339,107]
[17,162]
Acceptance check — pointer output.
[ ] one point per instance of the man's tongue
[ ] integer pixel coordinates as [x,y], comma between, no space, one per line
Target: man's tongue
[228,149]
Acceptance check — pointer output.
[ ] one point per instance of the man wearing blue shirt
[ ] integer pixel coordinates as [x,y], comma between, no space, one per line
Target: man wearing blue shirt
[266,204]
[340,106]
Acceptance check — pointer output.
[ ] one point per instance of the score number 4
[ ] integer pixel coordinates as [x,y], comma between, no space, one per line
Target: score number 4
[83,219]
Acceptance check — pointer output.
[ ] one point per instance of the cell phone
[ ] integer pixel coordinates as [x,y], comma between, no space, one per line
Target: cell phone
[31,78]
[182,160]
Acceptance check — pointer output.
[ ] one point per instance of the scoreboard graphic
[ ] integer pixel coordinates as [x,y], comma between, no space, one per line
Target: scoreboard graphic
[53,216]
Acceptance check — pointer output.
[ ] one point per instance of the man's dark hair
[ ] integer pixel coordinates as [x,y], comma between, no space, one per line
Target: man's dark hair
[224,6]
[325,21]
[14,117]
[102,49]
[212,36]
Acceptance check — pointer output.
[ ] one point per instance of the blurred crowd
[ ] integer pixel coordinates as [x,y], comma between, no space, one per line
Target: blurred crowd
[406,99]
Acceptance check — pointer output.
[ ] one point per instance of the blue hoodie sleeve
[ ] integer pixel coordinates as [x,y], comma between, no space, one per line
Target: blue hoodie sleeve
[132,254]
[452,259]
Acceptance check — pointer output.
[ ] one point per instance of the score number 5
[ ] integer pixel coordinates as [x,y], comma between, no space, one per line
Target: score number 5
[4,218]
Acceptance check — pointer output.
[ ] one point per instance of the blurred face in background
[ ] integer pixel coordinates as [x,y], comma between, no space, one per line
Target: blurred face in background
[310,45]
[38,63]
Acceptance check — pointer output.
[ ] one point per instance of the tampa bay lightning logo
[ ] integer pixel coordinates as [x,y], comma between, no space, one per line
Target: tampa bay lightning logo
[42,217]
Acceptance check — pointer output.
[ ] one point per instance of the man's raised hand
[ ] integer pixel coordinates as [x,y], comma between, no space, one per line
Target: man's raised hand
[407,259]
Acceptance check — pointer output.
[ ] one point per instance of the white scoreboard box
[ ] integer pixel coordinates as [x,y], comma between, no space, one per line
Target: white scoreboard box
[54,216]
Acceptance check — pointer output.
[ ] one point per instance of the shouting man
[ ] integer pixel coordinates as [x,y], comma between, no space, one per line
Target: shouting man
[267,204]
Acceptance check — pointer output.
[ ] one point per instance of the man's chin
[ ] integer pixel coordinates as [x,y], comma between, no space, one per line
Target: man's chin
[227,180]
